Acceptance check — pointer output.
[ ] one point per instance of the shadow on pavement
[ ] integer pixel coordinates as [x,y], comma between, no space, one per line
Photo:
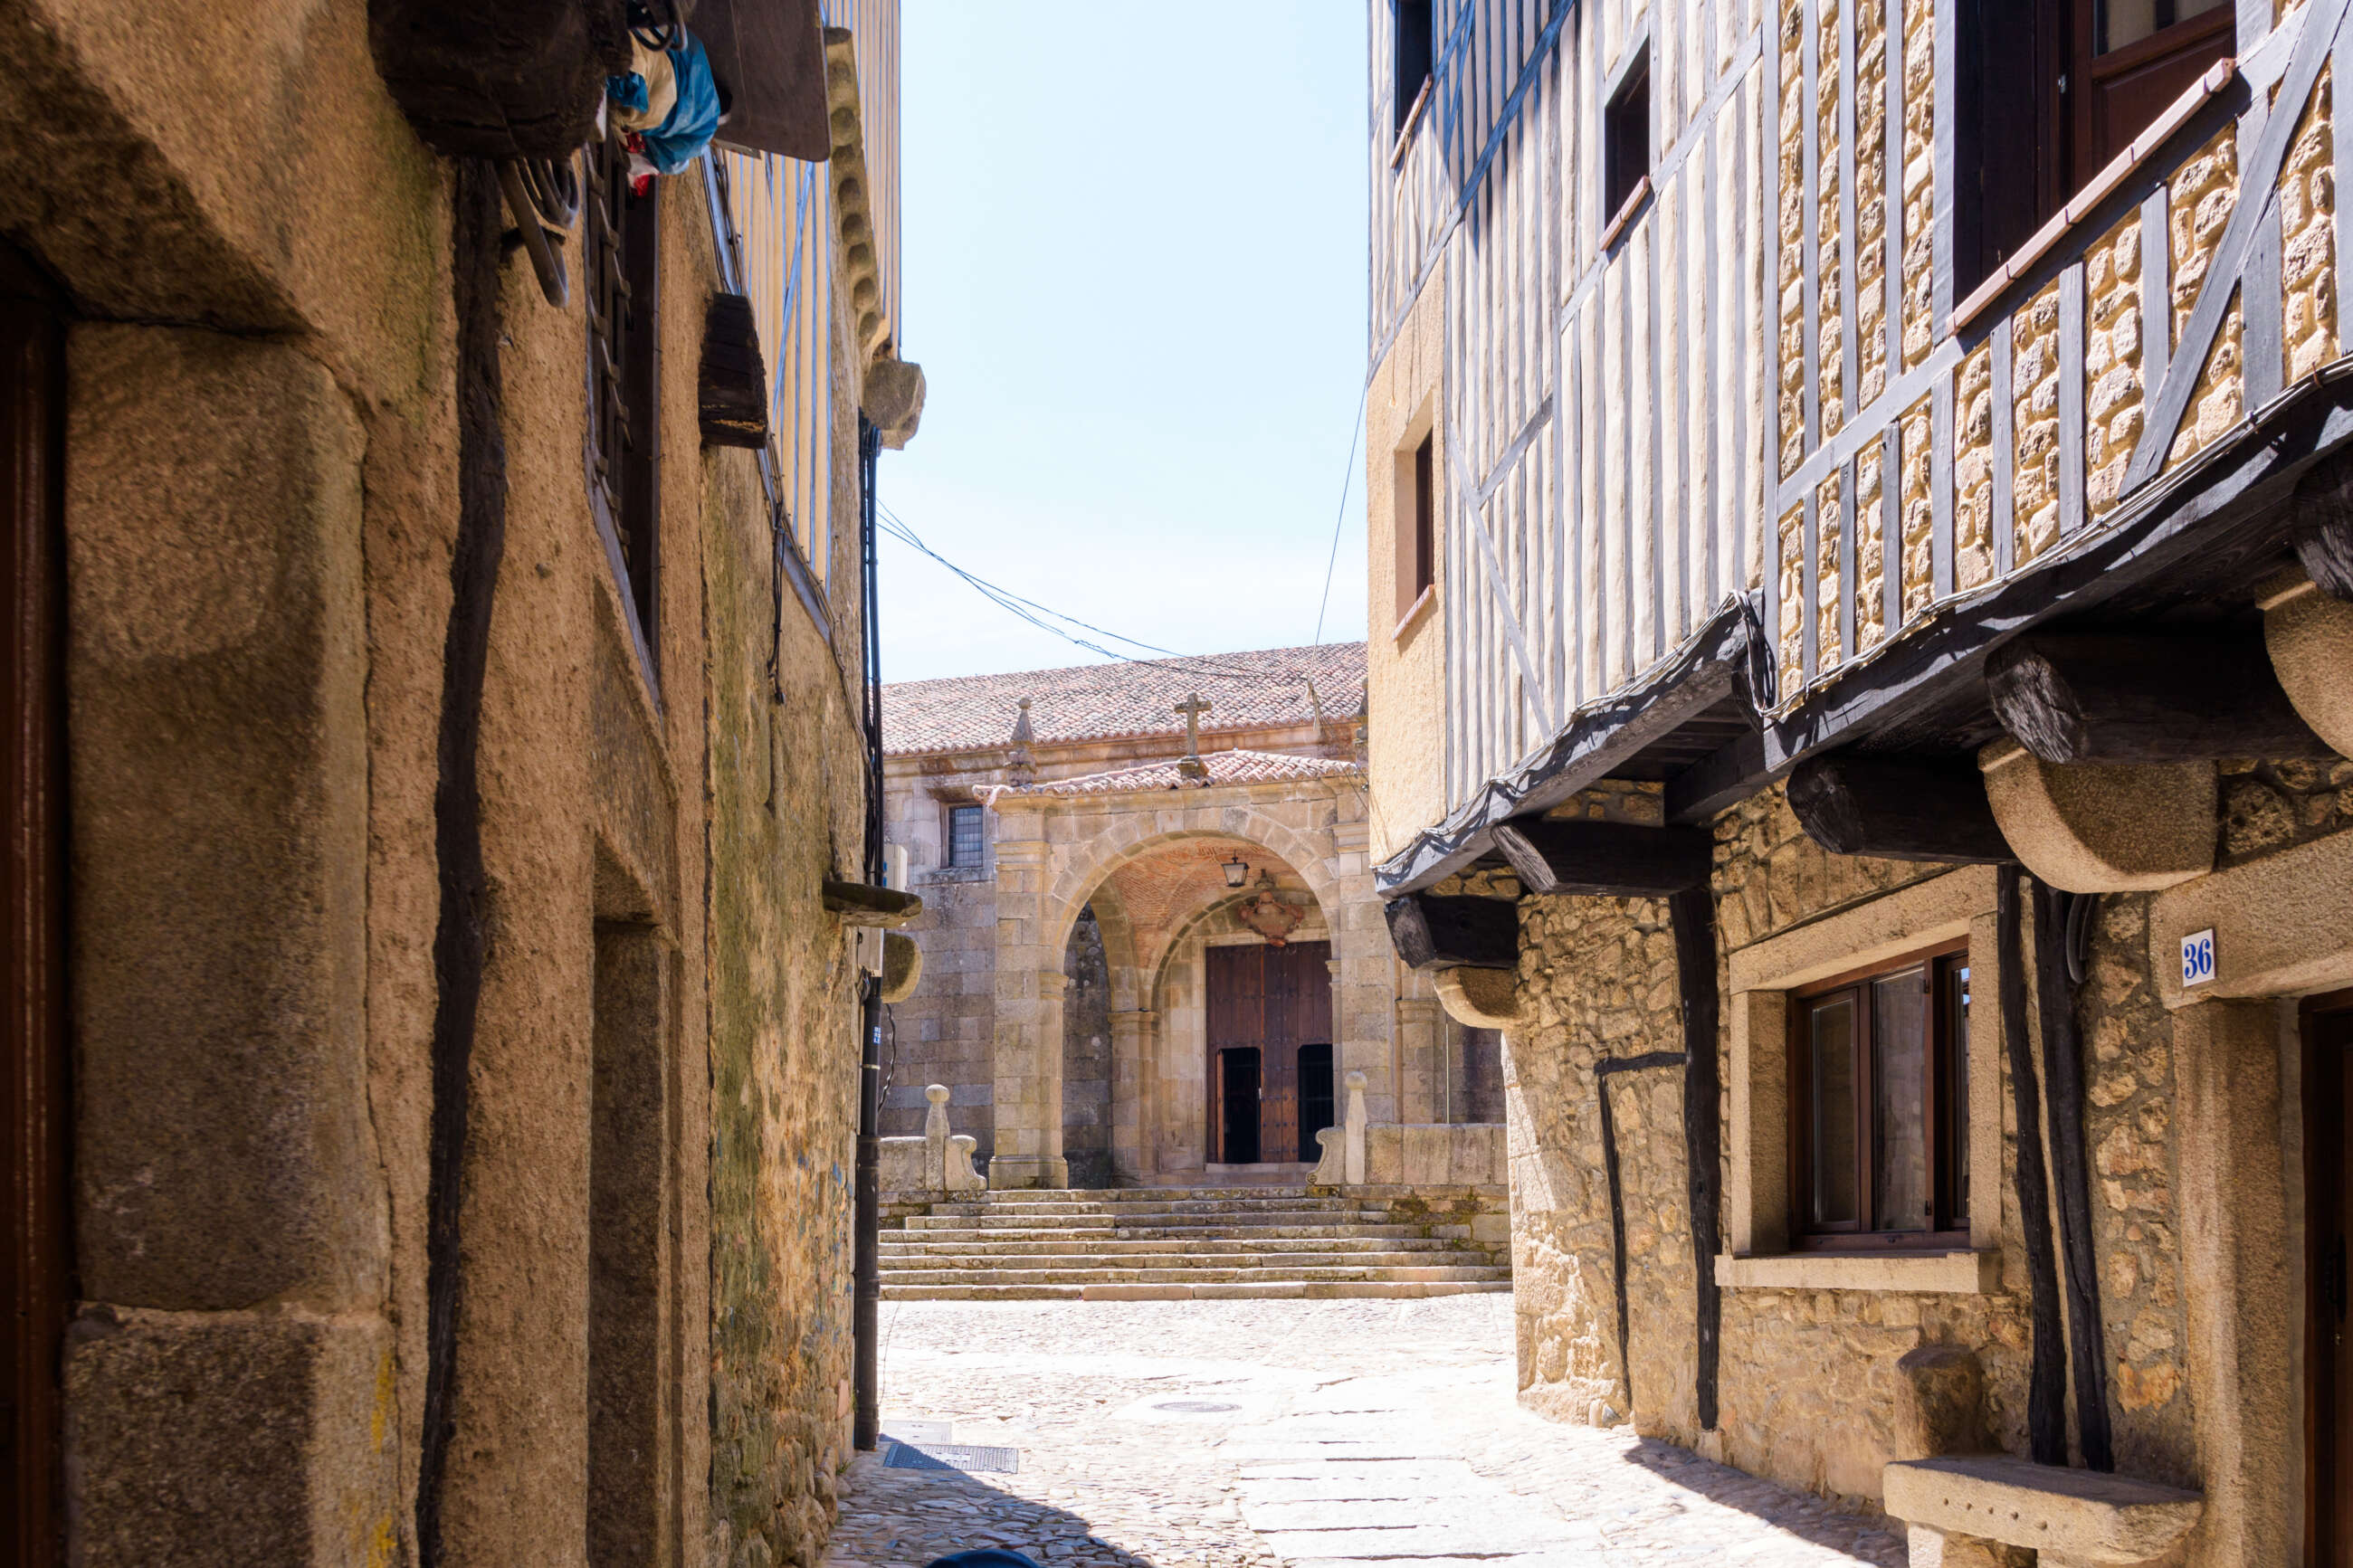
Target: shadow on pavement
[1810,1518]
[892,1517]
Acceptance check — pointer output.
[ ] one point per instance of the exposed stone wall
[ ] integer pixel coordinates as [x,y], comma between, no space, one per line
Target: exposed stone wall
[2307,196]
[1918,510]
[1869,547]
[1789,621]
[1871,200]
[1973,519]
[1810,1393]
[1919,178]
[2268,806]
[2201,197]
[1830,277]
[2114,387]
[2128,1130]
[1829,538]
[2034,424]
[1791,224]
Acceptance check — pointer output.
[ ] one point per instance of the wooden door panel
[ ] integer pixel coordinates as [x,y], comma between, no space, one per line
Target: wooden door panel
[2328,1312]
[36,1273]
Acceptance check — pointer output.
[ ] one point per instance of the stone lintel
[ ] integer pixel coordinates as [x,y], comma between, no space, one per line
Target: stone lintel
[2283,925]
[2076,1516]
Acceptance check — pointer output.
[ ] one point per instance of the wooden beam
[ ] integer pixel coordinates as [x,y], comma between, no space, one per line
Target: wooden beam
[732,387]
[2324,532]
[2046,1383]
[862,904]
[1605,859]
[2145,698]
[1431,932]
[1897,808]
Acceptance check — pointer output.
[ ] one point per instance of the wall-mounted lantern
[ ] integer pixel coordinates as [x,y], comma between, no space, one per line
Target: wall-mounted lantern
[1236,872]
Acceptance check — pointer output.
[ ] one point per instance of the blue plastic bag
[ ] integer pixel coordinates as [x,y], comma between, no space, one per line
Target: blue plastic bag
[679,140]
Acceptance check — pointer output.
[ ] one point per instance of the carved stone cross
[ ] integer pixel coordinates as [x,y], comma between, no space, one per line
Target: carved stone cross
[1190,766]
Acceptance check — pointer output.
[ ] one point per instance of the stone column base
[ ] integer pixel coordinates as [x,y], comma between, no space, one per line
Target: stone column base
[1008,1171]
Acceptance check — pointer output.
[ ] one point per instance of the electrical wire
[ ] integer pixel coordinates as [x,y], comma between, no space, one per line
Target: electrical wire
[1044,619]
[1347,475]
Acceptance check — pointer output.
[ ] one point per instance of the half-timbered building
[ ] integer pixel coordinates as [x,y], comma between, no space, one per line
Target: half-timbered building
[1860,689]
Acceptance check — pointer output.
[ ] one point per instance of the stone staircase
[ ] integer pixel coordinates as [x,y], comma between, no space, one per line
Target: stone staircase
[1193,1243]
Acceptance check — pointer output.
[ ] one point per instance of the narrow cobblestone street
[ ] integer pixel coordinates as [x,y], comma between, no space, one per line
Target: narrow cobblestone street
[1226,1434]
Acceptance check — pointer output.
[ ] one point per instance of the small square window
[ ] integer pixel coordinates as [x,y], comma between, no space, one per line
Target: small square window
[1626,136]
[1880,1118]
[1412,55]
[963,836]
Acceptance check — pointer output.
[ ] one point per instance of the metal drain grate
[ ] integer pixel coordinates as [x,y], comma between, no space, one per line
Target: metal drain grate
[953,1457]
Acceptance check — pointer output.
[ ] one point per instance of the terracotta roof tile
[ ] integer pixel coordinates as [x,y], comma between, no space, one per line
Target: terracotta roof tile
[1234,767]
[1098,701]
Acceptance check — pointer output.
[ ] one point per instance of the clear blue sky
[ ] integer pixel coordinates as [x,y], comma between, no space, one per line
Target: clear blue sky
[1134,254]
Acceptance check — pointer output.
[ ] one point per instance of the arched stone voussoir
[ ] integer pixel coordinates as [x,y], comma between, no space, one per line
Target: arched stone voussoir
[2103,827]
[1070,885]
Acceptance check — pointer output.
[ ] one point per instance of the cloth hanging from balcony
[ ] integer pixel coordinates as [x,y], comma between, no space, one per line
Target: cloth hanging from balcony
[667,107]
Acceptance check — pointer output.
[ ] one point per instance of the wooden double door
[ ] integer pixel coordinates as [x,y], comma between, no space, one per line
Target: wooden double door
[1267,1007]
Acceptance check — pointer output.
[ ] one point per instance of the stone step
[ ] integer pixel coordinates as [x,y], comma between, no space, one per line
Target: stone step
[962,1264]
[1243,1276]
[1320,1289]
[1146,1195]
[999,1243]
[1157,1233]
[987,1221]
[1145,1214]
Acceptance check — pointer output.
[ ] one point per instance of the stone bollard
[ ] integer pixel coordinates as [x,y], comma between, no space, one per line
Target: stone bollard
[947,1158]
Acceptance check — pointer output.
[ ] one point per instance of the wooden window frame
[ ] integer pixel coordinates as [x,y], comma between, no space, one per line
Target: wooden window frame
[1627,120]
[1947,1154]
[622,261]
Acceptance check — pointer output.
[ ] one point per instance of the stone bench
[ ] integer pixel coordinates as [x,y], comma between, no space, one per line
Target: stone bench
[2073,1518]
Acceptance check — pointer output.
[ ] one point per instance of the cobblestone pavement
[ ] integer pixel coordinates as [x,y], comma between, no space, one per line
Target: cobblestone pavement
[1256,1434]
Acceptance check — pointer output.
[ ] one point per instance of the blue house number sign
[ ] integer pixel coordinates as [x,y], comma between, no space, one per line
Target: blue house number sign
[2198,957]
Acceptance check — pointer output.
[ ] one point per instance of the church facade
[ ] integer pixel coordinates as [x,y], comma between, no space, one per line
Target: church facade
[1151,953]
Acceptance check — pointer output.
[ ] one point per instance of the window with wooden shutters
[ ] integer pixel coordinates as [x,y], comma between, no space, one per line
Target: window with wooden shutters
[620,253]
[1879,1111]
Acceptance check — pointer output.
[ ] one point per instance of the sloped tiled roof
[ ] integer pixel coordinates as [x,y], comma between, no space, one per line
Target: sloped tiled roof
[1234,767]
[1102,701]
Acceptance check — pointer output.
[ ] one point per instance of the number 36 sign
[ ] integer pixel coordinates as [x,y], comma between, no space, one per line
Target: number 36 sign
[2198,957]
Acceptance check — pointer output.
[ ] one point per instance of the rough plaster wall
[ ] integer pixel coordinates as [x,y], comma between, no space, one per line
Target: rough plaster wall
[1871,199]
[1404,676]
[1919,178]
[2115,386]
[1791,223]
[2308,198]
[783,1030]
[1973,519]
[2034,425]
[1086,1055]
[2201,199]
